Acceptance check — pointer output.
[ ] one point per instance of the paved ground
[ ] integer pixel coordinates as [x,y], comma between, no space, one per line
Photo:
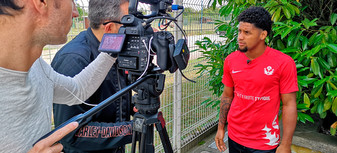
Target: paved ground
[305,140]
[208,146]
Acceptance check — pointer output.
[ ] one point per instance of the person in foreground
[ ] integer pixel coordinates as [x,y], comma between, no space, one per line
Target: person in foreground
[256,78]
[28,84]
[75,56]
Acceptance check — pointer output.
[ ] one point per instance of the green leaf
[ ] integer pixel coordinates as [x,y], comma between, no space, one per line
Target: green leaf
[220,2]
[313,109]
[306,100]
[304,117]
[304,42]
[333,128]
[332,59]
[286,12]
[333,18]
[323,63]
[320,107]
[334,106]
[332,93]
[276,15]
[320,82]
[290,9]
[315,50]
[332,47]
[284,1]
[331,84]
[303,69]
[286,32]
[327,104]
[299,66]
[291,39]
[289,50]
[307,23]
[302,107]
[271,4]
[323,115]
[315,66]
[319,91]
[206,101]
[280,45]
[312,39]
[297,42]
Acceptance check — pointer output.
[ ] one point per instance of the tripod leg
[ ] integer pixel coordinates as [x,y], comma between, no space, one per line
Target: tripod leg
[165,140]
[133,148]
[160,126]
[142,143]
[146,144]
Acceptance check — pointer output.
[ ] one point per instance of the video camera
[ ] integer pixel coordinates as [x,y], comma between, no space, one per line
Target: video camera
[136,43]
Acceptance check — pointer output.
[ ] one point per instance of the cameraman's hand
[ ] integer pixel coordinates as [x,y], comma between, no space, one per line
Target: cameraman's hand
[49,145]
[135,109]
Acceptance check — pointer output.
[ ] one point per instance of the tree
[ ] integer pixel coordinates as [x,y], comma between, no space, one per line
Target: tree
[81,12]
[305,30]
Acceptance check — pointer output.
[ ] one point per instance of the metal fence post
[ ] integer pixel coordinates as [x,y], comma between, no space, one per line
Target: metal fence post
[177,90]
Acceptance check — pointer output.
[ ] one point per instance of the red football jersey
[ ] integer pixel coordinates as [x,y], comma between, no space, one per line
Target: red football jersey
[258,84]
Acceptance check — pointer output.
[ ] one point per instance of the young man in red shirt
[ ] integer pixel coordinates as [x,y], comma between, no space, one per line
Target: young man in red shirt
[256,78]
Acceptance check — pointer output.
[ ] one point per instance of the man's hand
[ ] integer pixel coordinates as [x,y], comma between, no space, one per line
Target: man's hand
[135,109]
[220,134]
[283,149]
[49,145]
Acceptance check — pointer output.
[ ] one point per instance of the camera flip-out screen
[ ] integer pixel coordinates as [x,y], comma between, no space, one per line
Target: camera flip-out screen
[112,42]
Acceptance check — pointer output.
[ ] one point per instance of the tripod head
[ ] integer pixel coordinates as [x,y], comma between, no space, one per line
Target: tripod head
[147,99]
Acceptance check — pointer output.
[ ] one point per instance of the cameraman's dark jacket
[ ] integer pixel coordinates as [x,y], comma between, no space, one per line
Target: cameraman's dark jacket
[109,129]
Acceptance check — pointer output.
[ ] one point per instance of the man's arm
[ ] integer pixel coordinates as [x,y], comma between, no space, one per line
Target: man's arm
[82,85]
[226,101]
[88,137]
[289,119]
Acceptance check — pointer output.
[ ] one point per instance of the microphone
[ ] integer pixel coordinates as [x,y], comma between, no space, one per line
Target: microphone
[248,61]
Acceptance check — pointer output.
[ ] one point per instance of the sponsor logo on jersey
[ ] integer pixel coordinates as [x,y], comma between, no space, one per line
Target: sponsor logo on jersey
[235,71]
[269,70]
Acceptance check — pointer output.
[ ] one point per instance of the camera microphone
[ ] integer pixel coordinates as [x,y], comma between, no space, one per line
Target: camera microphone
[248,61]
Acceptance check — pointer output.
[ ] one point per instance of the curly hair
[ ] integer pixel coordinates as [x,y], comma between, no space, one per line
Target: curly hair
[8,4]
[258,16]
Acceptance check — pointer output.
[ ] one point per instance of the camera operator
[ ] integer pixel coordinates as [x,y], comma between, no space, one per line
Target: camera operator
[28,84]
[110,129]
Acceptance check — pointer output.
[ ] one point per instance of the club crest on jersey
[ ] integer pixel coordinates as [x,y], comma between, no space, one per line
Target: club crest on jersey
[269,70]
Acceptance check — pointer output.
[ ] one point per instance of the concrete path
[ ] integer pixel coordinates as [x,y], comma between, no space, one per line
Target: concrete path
[305,140]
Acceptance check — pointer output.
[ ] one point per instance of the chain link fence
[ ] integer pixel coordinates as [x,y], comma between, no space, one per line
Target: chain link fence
[181,102]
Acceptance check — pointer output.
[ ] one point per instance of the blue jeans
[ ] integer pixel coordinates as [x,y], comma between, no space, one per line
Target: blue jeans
[237,148]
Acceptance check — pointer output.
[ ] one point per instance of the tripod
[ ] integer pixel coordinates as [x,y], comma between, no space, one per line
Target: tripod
[147,102]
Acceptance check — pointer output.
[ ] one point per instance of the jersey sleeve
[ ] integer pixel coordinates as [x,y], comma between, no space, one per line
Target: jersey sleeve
[288,78]
[227,78]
